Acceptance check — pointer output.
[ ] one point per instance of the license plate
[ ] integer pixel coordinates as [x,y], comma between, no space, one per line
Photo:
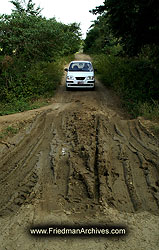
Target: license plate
[80,82]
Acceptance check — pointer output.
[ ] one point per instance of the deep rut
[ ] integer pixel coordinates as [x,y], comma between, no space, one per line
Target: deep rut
[95,161]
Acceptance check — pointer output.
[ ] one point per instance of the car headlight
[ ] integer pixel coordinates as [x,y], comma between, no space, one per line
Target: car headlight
[69,77]
[90,77]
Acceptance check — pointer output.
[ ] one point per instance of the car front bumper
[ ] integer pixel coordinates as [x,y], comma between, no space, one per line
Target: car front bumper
[78,84]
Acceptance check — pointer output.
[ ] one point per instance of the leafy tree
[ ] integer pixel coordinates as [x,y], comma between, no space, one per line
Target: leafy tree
[30,48]
[72,38]
[26,34]
[135,23]
[99,37]
[29,8]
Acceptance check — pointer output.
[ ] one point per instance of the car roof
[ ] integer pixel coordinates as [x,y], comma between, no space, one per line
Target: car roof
[80,62]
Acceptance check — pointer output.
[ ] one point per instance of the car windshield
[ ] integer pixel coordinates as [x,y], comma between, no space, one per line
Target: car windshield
[81,66]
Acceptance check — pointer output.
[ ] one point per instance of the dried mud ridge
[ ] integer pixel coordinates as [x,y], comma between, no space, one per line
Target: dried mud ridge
[78,158]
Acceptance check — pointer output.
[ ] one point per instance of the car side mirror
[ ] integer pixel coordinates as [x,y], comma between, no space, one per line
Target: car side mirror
[66,69]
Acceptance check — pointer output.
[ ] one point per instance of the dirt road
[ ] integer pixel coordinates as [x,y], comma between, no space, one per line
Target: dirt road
[79,161]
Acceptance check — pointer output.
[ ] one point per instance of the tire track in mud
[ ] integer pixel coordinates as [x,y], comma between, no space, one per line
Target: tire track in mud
[138,187]
[102,164]
[18,168]
[82,160]
[21,167]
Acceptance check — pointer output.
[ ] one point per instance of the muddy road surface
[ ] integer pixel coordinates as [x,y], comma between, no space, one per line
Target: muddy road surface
[80,161]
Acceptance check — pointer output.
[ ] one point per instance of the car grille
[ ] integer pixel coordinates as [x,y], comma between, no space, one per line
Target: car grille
[80,78]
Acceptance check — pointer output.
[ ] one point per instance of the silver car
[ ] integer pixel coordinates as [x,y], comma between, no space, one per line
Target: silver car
[80,74]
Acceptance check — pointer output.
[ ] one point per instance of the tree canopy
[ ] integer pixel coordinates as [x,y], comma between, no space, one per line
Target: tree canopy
[32,48]
[25,33]
[134,23]
[99,36]
[21,6]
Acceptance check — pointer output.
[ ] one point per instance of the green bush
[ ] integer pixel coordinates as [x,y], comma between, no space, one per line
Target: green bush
[134,79]
[33,51]
[21,83]
[149,111]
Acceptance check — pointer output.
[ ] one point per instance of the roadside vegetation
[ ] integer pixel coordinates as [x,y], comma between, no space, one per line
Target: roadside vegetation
[124,44]
[33,51]
[8,132]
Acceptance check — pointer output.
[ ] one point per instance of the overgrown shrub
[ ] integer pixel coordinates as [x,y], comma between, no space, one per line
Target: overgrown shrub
[21,83]
[135,79]
[33,51]
[28,81]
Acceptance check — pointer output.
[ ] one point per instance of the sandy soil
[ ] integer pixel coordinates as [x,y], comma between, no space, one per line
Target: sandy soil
[79,161]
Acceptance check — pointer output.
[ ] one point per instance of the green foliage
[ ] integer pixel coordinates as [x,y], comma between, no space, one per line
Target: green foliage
[28,36]
[149,110]
[99,38]
[21,105]
[22,7]
[31,52]
[35,38]
[135,23]
[135,80]
[24,85]
[26,82]
[9,131]
[125,44]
